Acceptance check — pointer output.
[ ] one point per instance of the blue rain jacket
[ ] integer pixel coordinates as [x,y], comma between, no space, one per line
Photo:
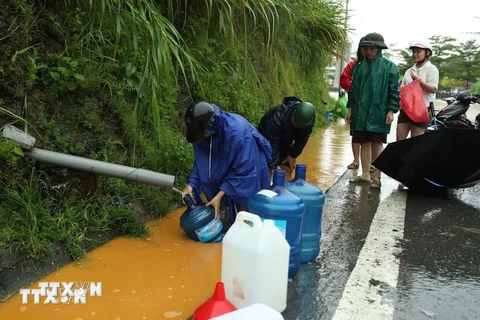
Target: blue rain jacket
[233,159]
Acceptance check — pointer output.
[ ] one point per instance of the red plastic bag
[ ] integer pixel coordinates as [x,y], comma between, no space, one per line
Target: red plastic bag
[412,103]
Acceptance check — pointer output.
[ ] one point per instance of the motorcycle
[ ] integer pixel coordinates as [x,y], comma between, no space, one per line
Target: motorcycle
[453,115]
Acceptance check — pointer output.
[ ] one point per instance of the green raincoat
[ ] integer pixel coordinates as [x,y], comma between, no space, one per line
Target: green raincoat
[374,92]
[340,107]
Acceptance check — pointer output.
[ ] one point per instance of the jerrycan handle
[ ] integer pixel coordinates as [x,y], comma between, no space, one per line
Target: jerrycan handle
[189,201]
[243,216]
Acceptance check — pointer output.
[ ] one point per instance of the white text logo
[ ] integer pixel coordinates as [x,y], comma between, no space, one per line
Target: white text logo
[62,292]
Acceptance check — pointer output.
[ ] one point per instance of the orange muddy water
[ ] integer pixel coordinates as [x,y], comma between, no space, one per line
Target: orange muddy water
[164,276]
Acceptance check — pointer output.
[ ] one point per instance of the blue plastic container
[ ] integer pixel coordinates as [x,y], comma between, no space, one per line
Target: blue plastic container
[199,223]
[286,209]
[329,116]
[314,199]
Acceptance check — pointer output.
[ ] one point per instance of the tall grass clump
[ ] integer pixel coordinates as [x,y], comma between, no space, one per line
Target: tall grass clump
[36,217]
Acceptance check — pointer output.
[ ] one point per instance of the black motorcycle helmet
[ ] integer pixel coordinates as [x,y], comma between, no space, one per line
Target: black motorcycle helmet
[463,95]
[197,118]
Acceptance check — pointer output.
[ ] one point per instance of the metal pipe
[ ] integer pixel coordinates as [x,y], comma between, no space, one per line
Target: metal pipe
[100,167]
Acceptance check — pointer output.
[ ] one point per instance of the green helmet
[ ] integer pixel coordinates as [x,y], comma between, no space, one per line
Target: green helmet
[197,118]
[304,114]
[375,40]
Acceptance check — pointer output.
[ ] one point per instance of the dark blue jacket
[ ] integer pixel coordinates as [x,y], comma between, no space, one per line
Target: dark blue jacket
[276,126]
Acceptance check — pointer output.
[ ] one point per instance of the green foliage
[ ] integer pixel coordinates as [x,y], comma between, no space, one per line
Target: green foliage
[62,141]
[11,160]
[16,21]
[447,82]
[315,31]
[9,152]
[475,88]
[13,163]
[23,224]
[248,78]
[467,62]
[36,216]
[66,74]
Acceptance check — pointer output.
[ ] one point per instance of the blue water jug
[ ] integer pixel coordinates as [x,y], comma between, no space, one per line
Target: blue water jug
[313,198]
[286,209]
[329,116]
[199,222]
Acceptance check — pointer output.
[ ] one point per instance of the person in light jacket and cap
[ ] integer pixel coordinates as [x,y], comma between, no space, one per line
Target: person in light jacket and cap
[428,74]
[231,158]
[372,101]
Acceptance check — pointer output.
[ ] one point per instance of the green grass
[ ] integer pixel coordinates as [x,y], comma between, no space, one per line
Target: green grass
[35,216]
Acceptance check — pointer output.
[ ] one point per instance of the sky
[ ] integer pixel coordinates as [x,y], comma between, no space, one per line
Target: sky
[403,22]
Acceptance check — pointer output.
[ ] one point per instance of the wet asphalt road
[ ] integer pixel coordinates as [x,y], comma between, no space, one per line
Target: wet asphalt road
[392,254]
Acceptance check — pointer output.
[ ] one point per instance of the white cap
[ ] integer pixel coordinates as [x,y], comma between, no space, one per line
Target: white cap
[422,45]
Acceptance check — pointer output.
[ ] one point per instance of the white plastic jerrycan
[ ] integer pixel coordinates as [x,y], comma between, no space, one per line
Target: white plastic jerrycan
[257,311]
[255,258]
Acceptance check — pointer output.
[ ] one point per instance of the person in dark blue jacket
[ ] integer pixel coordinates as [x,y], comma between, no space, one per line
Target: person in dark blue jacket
[231,158]
[287,127]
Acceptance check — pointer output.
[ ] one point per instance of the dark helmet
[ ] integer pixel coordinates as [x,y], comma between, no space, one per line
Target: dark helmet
[359,53]
[360,42]
[375,40]
[197,118]
[304,114]
[463,95]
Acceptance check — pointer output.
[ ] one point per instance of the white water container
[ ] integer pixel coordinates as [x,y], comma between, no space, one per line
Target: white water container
[257,311]
[255,257]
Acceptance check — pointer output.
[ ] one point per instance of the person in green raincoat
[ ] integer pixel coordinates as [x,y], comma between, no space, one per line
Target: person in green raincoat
[372,101]
[340,107]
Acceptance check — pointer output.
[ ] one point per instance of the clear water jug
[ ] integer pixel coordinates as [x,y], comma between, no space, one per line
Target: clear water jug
[255,258]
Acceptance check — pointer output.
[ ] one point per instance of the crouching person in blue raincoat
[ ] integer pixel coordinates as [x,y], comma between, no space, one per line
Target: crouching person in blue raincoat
[231,158]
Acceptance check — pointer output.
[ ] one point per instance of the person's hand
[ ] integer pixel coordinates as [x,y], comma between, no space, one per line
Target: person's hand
[288,164]
[188,190]
[414,76]
[389,117]
[348,117]
[215,202]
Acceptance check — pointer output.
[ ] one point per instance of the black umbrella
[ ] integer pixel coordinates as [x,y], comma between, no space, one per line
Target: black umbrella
[446,158]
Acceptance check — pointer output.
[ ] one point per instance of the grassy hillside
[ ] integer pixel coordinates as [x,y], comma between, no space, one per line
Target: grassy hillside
[110,81]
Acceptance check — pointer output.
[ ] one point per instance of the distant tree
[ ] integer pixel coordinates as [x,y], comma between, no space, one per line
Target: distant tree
[466,62]
[475,88]
[448,83]
[443,51]
[406,60]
